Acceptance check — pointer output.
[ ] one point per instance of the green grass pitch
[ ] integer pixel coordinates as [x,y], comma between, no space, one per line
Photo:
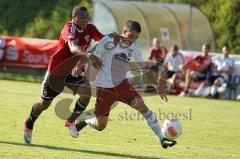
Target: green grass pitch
[211,129]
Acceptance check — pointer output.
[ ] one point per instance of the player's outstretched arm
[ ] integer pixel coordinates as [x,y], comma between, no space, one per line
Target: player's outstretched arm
[160,83]
[75,49]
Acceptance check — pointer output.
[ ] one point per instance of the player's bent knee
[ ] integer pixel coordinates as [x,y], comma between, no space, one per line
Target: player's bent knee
[85,95]
[84,90]
[85,99]
[217,82]
[101,128]
[101,123]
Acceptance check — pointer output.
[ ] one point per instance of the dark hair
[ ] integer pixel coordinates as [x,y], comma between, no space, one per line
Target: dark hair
[207,46]
[175,47]
[76,9]
[133,26]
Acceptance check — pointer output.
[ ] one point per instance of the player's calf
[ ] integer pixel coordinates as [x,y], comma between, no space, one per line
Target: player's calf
[29,122]
[70,123]
[139,105]
[36,111]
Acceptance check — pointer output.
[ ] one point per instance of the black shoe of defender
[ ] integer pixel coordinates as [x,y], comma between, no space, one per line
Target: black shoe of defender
[167,143]
[80,125]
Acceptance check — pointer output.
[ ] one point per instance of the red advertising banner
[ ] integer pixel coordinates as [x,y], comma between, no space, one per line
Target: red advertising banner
[26,52]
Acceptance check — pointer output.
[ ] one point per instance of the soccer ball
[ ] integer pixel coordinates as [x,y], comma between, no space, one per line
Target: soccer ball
[172,128]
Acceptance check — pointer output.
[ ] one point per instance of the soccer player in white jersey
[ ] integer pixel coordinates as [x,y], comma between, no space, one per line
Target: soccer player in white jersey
[223,66]
[113,85]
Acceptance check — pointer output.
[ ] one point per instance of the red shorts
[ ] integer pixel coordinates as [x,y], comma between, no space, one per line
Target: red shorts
[123,92]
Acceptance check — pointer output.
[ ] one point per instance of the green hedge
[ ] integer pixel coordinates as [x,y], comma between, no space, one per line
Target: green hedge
[45,18]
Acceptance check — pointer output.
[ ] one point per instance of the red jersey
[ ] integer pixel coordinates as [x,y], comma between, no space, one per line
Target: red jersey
[158,54]
[200,60]
[71,32]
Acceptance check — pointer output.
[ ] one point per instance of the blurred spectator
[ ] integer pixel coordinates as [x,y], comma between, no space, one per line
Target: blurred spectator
[157,55]
[238,97]
[222,68]
[2,48]
[197,68]
[171,64]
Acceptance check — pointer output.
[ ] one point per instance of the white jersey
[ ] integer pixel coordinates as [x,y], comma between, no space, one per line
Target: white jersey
[224,63]
[115,60]
[174,62]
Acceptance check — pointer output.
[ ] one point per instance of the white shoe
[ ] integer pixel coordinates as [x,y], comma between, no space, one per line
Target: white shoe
[182,94]
[72,129]
[27,134]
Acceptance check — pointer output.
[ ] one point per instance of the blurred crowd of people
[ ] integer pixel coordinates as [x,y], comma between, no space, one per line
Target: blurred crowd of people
[203,70]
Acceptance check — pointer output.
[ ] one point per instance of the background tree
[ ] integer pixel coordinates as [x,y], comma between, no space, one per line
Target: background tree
[224,17]
[45,18]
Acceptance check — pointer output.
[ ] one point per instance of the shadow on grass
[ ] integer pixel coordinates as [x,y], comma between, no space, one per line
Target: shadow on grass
[102,153]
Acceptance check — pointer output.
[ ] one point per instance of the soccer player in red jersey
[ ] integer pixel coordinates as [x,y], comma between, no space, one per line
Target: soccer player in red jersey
[74,40]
